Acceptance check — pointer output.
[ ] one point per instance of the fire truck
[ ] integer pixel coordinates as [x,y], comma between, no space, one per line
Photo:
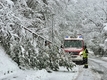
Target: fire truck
[74,47]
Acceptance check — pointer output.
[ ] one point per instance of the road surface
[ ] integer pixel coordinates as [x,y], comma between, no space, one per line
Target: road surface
[97,70]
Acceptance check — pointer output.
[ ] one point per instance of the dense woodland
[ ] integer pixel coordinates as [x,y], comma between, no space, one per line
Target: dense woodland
[31,31]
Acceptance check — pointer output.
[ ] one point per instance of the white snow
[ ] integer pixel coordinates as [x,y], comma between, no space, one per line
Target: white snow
[104,58]
[7,66]
[10,3]
[10,70]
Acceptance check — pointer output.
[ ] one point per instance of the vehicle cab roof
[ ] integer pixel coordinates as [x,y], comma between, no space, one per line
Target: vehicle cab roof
[73,38]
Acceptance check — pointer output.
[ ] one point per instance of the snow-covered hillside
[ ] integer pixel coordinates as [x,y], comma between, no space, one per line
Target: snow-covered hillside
[7,66]
[50,19]
[9,71]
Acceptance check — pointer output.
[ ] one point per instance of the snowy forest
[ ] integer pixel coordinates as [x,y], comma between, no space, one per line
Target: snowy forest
[32,31]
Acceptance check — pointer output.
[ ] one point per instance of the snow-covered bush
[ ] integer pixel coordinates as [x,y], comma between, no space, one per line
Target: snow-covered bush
[22,20]
[23,43]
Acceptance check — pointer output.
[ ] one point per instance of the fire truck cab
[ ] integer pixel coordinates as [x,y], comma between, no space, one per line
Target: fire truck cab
[74,46]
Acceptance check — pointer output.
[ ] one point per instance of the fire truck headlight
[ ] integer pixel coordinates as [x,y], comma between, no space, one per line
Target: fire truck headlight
[80,53]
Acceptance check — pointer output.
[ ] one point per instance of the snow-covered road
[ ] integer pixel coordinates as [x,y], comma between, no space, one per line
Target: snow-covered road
[85,74]
[97,70]
[99,65]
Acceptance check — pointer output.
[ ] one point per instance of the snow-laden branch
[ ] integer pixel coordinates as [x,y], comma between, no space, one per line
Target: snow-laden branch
[105,14]
[1,4]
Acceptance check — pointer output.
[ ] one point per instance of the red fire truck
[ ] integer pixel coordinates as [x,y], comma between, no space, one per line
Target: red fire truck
[74,46]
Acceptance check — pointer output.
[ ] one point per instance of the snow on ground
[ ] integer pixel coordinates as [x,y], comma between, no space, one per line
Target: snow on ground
[86,74]
[6,64]
[10,71]
[101,62]
[99,65]
[97,69]
[104,58]
[43,75]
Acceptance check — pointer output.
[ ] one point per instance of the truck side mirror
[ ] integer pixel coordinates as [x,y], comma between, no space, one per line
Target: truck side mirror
[61,46]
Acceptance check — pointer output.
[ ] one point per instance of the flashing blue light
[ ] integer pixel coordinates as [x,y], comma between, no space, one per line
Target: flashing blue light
[80,36]
[66,37]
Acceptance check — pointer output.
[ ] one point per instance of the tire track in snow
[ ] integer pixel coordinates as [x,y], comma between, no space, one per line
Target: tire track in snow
[88,74]
[99,66]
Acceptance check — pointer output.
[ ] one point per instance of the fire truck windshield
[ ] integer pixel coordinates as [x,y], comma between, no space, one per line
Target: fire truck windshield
[73,43]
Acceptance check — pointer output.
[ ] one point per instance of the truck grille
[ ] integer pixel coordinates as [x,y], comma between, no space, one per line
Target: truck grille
[74,53]
[73,56]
